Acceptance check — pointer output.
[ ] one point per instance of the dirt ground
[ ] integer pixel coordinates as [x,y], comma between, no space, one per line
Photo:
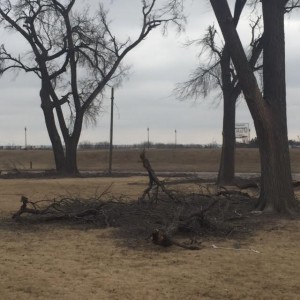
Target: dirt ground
[55,261]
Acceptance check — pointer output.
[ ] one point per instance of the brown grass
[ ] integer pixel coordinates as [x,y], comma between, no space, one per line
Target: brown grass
[52,261]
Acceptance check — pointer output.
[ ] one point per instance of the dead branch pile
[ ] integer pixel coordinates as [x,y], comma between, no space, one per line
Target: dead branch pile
[192,214]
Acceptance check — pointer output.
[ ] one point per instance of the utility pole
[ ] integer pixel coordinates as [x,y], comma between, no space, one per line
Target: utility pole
[148,137]
[111,131]
[175,138]
[25,138]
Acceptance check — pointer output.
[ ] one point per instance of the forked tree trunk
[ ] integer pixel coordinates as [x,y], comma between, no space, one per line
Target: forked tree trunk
[268,112]
[57,147]
[65,159]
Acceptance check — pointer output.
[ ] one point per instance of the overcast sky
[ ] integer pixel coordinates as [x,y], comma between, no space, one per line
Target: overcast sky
[145,99]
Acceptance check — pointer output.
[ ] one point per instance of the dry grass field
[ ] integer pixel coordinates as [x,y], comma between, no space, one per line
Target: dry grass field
[65,261]
[176,160]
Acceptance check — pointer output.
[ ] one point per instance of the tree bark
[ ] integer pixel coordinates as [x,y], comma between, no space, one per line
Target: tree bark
[268,112]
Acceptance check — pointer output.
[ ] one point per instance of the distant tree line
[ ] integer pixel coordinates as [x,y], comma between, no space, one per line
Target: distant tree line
[86,145]
[143,145]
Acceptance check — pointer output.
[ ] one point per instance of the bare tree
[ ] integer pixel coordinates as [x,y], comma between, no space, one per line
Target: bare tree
[218,73]
[75,55]
[268,110]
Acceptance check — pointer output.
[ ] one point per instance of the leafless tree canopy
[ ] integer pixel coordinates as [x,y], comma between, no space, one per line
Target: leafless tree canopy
[207,76]
[76,50]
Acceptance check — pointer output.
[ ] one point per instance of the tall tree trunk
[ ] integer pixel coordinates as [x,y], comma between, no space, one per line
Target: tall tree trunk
[230,95]
[57,147]
[227,162]
[268,112]
[275,159]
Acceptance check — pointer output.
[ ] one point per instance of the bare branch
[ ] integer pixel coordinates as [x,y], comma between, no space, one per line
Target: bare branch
[10,62]
[206,76]
[152,18]
[291,5]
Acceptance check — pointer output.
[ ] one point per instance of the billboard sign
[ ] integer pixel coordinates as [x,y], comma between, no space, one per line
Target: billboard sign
[242,131]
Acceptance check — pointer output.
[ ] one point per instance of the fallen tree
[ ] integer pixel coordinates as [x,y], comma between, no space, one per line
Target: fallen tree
[185,215]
